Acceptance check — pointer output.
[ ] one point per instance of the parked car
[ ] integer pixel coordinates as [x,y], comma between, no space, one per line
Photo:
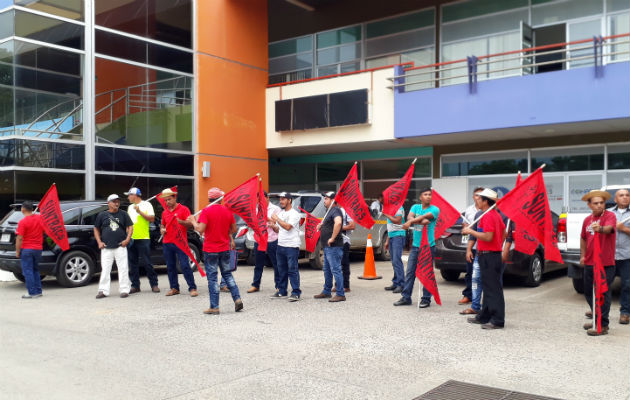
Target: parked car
[450,258]
[569,230]
[313,202]
[76,266]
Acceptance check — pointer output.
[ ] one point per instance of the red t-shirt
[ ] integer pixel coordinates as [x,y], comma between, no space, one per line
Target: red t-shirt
[218,220]
[182,212]
[32,232]
[491,222]
[606,241]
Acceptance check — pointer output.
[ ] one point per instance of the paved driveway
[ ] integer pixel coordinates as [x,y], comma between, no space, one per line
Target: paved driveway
[70,345]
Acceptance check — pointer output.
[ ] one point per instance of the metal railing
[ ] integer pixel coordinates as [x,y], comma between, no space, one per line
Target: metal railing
[602,51]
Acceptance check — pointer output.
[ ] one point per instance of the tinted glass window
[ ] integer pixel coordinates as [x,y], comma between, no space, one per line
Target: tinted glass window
[348,108]
[71,9]
[126,160]
[310,112]
[309,203]
[40,154]
[167,57]
[90,213]
[120,46]
[48,30]
[71,217]
[30,185]
[283,115]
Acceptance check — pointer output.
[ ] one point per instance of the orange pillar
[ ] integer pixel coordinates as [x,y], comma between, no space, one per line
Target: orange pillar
[231,62]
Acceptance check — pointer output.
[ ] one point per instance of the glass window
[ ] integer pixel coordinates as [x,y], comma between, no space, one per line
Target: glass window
[71,217]
[583,30]
[90,213]
[420,57]
[402,23]
[579,185]
[400,42]
[339,36]
[48,30]
[500,184]
[335,171]
[291,46]
[486,25]
[309,203]
[339,54]
[619,156]
[576,159]
[127,160]
[474,8]
[395,169]
[619,23]
[564,10]
[618,178]
[168,21]
[108,184]
[328,70]
[616,5]
[484,164]
[167,57]
[39,154]
[71,9]
[383,61]
[6,111]
[6,24]
[30,185]
[285,177]
[291,62]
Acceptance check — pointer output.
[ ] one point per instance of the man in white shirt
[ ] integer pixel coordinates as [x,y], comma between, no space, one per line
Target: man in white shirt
[469,214]
[377,206]
[288,251]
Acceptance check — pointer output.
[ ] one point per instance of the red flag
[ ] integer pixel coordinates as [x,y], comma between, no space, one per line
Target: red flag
[448,214]
[528,207]
[424,268]
[181,241]
[52,219]
[261,218]
[243,201]
[524,242]
[311,234]
[161,200]
[350,198]
[599,279]
[395,195]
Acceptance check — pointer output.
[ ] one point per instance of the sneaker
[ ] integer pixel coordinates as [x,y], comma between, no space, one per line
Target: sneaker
[337,299]
[294,297]
[194,293]
[155,289]
[253,289]
[593,332]
[211,311]
[424,304]
[277,295]
[27,296]
[134,290]
[123,295]
[238,305]
[172,292]
[100,295]
[37,295]
[322,296]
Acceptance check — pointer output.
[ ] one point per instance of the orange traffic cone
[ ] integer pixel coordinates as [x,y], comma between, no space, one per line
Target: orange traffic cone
[369,270]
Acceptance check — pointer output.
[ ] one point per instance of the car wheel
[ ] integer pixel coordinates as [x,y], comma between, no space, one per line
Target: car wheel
[534,272]
[382,254]
[76,268]
[317,262]
[19,277]
[251,257]
[578,285]
[449,275]
[191,264]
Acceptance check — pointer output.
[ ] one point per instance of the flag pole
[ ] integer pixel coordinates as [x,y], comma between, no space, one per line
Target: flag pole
[414,161]
[332,204]
[485,212]
[214,202]
[594,303]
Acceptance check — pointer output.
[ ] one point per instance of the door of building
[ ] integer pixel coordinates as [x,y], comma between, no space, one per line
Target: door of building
[547,35]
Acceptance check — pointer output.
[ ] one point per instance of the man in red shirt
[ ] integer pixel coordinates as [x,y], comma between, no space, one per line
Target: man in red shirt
[28,248]
[600,225]
[489,236]
[217,225]
[171,251]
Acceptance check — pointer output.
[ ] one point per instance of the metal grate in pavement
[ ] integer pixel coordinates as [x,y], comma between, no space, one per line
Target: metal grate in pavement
[455,390]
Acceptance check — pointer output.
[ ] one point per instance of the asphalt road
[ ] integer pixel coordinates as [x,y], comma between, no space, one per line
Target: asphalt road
[69,345]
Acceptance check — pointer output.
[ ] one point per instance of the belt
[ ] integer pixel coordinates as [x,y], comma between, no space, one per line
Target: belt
[489,252]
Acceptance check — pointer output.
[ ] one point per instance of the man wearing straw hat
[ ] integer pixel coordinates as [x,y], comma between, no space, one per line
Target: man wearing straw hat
[622,251]
[599,225]
[172,253]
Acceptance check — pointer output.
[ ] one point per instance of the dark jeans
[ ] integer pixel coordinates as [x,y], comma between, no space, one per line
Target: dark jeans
[139,253]
[410,276]
[287,258]
[622,269]
[396,244]
[467,292]
[493,303]
[345,265]
[29,259]
[213,262]
[171,254]
[261,260]
[588,289]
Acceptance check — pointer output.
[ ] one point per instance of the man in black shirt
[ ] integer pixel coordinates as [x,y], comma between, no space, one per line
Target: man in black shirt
[112,231]
[332,243]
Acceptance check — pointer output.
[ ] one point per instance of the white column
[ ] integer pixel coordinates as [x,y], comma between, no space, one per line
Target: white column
[89,131]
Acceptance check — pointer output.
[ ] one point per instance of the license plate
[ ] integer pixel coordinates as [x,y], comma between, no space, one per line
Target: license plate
[464,239]
[6,237]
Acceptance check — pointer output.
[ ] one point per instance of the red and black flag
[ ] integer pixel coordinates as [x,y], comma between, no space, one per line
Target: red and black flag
[311,234]
[394,196]
[424,268]
[261,235]
[350,198]
[448,214]
[180,240]
[52,219]
[599,280]
[161,200]
[524,242]
[244,202]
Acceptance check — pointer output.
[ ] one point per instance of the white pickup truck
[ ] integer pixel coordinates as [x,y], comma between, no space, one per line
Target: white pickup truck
[569,229]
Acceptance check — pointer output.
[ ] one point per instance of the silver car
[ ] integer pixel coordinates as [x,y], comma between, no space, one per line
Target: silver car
[313,202]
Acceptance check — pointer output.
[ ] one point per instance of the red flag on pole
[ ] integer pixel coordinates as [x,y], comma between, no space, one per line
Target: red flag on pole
[524,242]
[161,200]
[424,268]
[528,207]
[261,235]
[311,234]
[52,219]
[448,214]
[181,241]
[350,198]
[394,196]
[243,201]
[599,279]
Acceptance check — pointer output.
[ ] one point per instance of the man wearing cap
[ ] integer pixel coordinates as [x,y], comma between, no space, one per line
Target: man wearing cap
[377,206]
[489,236]
[112,230]
[272,246]
[332,243]
[469,214]
[217,224]
[141,214]
[600,225]
[622,251]
[422,216]
[28,248]
[172,253]
[288,252]
[396,236]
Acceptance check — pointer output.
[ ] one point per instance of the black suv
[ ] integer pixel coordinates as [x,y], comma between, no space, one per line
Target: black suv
[77,266]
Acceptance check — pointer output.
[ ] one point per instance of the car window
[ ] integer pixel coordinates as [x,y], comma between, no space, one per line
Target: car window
[12,218]
[309,203]
[71,217]
[90,213]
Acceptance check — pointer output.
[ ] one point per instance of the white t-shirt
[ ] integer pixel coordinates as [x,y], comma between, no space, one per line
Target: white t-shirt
[345,235]
[291,237]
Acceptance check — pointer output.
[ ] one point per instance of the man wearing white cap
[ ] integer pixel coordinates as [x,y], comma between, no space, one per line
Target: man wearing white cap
[172,253]
[112,231]
[288,251]
[141,214]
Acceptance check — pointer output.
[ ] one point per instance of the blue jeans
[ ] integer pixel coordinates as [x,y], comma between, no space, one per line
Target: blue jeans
[396,244]
[622,268]
[29,259]
[261,260]
[410,276]
[476,285]
[214,262]
[171,254]
[332,267]
[140,253]
[287,259]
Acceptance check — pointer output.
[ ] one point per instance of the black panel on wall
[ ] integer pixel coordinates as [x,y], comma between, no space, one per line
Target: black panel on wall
[310,112]
[283,115]
[348,108]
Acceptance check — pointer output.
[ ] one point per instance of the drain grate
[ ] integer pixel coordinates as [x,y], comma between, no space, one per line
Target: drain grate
[454,390]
